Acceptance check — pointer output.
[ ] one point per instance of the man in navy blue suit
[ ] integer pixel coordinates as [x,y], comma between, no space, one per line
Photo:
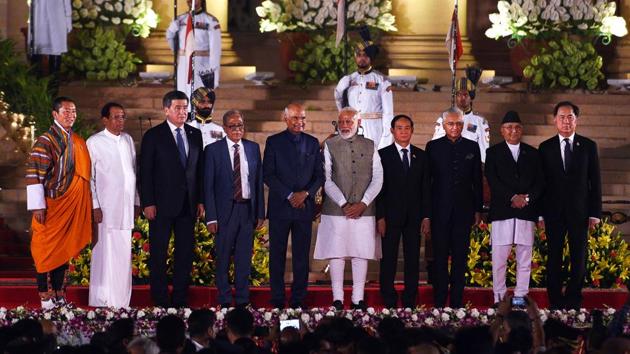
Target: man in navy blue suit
[293,171]
[234,205]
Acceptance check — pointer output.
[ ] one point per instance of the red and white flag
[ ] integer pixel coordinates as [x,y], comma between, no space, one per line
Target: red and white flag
[189,43]
[454,44]
[341,21]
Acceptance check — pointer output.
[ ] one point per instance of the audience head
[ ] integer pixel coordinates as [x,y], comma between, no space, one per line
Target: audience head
[142,345]
[348,122]
[402,129]
[234,124]
[175,105]
[565,116]
[201,324]
[170,333]
[295,117]
[474,340]
[239,323]
[64,112]
[453,123]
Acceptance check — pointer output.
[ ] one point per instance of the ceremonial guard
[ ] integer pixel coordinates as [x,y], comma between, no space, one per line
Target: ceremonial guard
[369,92]
[476,127]
[201,118]
[207,48]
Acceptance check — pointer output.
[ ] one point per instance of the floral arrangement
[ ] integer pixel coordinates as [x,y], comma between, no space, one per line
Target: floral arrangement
[203,272]
[292,15]
[319,61]
[136,15]
[76,326]
[607,266]
[520,19]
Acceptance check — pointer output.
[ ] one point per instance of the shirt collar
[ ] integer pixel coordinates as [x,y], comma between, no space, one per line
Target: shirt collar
[173,126]
[62,129]
[231,143]
[513,146]
[400,147]
[571,138]
[110,135]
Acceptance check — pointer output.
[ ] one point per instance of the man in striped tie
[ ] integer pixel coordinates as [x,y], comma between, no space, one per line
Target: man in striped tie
[234,205]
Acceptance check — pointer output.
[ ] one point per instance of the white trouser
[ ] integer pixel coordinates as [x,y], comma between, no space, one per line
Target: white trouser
[359,275]
[500,256]
[110,270]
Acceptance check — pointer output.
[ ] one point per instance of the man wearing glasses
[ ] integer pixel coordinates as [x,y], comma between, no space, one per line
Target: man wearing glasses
[234,203]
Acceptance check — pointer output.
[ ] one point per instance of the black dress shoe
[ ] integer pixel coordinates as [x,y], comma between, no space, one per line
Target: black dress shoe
[360,306]
[338,305]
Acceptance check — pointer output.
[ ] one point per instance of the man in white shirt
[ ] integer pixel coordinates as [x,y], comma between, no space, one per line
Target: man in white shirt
[116,204]
[354,177]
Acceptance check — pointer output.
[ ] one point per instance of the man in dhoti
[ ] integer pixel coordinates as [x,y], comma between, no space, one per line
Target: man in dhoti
[201,118]
[354,177]
[514,173]
[206,59]
[116,203]
[369,92]
[58,194]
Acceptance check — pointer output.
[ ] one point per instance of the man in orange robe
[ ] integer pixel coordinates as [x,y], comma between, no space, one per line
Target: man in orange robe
[58,194]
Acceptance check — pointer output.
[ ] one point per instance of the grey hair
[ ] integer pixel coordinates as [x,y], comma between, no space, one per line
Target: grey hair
[149,346]
[453,110]
[355,113]
[232,112]
[286,109]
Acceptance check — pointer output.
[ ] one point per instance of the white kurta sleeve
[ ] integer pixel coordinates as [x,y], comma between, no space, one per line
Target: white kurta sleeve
[35,199]
[342,85]
[67,6]
[93,182]
[172,34]
[387,102]
[331,189]
[377,180]
[135,170]
[439,129]
[483,137]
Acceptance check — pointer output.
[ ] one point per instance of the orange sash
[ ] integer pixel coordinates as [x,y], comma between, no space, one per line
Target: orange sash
[68,225]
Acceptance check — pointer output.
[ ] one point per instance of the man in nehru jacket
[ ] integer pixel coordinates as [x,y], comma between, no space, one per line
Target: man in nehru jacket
[369,92]
[516,181]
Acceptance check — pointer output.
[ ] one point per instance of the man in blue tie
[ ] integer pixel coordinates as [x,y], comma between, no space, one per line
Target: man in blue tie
[293,171]
[234,205]
[171,191]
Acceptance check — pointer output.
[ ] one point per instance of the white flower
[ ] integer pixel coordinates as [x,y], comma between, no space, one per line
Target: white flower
[267,316]
[365,318]
[349,315]
[103,18]
[330,314]
[581,317]
[109,315]
[127,21]
[140,314]
[370,310]
[91,315]
[220,316]
[98,2]
[414,317]
[435,312]
[108,6]
[543,317]
[305,317]
[445,317]
[610,311]
[187,312]
[318,317]
[374,12]
[47,315]
[116,20]
[428,321]
[460,314]
[484,319]
[171,311]
[614,25]
[474,313]
[157,311]
[283,316]
[385,312]
[69,315]
[313,4]
[76,4]
[124,315]
[490,312]
[447,309]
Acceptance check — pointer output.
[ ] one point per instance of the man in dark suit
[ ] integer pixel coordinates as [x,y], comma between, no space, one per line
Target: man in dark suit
[516,182]
[171,188]
[572,203]
[234,204]
[293,171]
[457,202]
[402,208]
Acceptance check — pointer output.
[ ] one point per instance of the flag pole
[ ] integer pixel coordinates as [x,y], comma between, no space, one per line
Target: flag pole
[346,48]
[192,62]
[453,55]
[176,44]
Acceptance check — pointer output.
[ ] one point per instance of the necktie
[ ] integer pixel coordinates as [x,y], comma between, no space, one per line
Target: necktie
[568,154]
[237,184]
[181,147]
[405,160]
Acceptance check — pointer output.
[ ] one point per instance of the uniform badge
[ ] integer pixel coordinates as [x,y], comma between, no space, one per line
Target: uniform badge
[202,25]
[353,83]
[471,127]
[371,85]
[216,134]
[469,156]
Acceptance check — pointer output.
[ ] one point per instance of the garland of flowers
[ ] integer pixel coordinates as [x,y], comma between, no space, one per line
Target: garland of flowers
[607,264]
[203,271]
[75,326]
[300,15]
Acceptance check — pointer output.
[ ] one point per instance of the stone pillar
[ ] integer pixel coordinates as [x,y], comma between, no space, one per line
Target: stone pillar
[419,46]
[620,65]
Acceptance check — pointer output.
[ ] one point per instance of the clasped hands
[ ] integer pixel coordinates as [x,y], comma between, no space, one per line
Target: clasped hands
[519,201]
[297,199]
[353,210]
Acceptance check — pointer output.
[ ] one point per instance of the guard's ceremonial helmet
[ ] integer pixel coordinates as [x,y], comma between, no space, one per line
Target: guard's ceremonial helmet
[366,44]
[201,93]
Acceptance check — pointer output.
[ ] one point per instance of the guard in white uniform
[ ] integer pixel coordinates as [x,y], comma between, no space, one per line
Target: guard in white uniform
[476,127]
[370,93]
[116,203]
[207,55]
[203,99]
[52,21]
[516,182]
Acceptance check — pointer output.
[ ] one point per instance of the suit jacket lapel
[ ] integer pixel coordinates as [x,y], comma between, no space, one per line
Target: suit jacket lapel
[170,140]
[557,154]
[227,163]
[193,149]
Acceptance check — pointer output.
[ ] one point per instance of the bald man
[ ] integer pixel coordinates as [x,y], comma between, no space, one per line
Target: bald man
[293,171]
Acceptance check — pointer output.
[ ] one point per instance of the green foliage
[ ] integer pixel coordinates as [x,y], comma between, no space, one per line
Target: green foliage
[100,54]
[567,64]
[320,62]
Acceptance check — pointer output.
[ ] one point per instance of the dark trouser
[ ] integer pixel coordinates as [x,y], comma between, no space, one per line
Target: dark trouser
[159,237]
[450,237]
[235,236]
[411,253]
[300,247]
[578,235]
[53,280]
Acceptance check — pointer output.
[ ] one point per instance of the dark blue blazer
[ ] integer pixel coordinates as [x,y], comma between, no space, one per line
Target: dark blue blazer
[218,181]
[163,179]
[289,167]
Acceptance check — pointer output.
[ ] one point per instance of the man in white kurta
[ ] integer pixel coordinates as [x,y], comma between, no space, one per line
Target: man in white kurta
[203,100]
[370,93]
[207,55]
[476,127]
[354,177]
[114,200]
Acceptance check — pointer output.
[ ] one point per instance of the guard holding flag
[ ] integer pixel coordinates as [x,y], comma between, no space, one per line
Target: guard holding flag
[369,92]
[204,43]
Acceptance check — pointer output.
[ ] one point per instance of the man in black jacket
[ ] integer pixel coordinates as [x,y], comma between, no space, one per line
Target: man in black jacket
[516,183]
[572,203]
[457,202]
[402,208]
[171,190]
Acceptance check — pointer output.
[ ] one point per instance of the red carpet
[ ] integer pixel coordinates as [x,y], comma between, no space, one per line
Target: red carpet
[318,296]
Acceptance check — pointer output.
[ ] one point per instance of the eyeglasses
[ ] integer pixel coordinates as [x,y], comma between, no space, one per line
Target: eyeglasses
[235,127]
[452,124]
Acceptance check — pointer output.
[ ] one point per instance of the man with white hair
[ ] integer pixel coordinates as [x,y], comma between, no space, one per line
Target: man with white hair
[354,177]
